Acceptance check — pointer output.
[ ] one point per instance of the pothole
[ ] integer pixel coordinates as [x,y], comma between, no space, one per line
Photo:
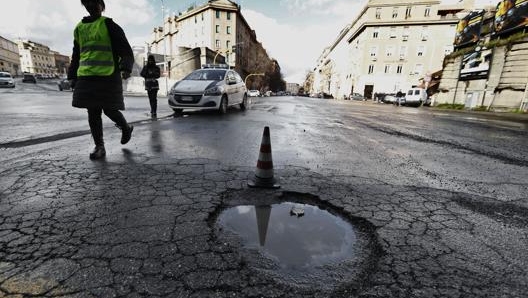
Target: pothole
[296,239]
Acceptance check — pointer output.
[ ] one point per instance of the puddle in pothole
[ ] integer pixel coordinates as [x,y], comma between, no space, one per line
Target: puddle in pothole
[296,237]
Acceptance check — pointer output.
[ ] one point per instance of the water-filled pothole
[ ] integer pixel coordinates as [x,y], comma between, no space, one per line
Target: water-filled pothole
[296,236]
[296,240]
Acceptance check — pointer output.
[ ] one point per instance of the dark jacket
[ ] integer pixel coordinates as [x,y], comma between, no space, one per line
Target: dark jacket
[151,72]
[102,91]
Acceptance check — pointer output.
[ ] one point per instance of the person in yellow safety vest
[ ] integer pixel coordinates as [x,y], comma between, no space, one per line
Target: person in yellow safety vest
[102,57]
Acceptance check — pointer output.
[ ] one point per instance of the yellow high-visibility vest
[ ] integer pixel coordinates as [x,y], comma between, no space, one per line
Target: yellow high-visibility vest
[96,58]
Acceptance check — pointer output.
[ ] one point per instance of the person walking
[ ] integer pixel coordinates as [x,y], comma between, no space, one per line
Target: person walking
[102,57]
[151,73]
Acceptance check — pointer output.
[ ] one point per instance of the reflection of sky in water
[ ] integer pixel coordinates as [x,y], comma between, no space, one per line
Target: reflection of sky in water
[317,238]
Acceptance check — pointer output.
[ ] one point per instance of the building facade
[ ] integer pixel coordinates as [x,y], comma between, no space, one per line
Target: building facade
[217,25]
[9,57]
[62,63]
[390,46]
[36,58]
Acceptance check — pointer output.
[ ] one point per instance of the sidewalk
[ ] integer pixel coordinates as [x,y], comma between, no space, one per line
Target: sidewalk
[509,116]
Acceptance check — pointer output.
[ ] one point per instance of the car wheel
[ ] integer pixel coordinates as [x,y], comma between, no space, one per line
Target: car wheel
[60,88]
[244,103]
[222,109]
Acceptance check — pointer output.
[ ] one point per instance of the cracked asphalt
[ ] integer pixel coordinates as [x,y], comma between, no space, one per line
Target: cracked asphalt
[72,229]
[143,223]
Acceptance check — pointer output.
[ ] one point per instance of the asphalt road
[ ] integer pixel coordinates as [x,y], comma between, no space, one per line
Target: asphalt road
[438,197]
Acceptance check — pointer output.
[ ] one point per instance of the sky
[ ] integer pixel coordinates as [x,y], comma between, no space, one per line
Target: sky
[294,32]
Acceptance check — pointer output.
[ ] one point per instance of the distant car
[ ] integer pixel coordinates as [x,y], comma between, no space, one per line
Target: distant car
[389,98]
[209,88]
[357,96]
[415,97]
[29,78]
[6,80]
[64,84]
[253,93]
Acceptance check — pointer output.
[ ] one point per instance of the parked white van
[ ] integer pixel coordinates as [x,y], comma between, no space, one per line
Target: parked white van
[415,97]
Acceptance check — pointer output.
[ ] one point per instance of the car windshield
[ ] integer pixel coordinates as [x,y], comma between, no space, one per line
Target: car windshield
[207,75]
[5,75]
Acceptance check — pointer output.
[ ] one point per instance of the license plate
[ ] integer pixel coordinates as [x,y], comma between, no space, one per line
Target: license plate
[186,98]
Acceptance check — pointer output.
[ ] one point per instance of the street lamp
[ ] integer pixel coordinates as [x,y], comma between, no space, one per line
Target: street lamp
[166,71]
[252,74]
[218,52]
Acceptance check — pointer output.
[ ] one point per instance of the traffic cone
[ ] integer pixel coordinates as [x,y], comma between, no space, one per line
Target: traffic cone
[264,172]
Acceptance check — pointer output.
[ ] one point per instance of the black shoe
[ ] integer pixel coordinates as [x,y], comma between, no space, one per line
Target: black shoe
[126,134]
[153,115]
[98,152]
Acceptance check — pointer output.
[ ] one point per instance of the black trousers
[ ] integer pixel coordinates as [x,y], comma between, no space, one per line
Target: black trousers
[153,100]
[96,122]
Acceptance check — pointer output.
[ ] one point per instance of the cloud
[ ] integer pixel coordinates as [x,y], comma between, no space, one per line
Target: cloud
[296,46]
[36,21]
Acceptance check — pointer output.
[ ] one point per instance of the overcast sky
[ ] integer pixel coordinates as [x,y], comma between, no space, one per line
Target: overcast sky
[294,32]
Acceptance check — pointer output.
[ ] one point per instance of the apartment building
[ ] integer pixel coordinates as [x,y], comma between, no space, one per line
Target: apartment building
[9,57]
[389,46]
[62,63]
[217,25]
[36,58]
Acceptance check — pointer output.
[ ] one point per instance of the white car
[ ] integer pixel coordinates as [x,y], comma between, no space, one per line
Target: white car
[253,93]
[209,88]
[6,80]
[415,97]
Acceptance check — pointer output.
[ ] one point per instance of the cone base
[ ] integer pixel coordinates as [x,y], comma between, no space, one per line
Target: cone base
[263,183]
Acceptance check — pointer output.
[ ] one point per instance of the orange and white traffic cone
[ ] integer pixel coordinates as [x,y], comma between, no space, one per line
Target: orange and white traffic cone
[264,172]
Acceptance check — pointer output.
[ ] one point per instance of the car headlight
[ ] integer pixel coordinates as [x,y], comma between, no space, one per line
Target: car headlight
[173,88]
[214,91]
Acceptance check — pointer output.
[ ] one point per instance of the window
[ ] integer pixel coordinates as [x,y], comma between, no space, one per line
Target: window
[418,68]
[228,15]
[375,33]
[202,16]
[395,12]
[195,19]
[378,13]
[389,52]
[427,11]
[405,34]
[392,32]
[371,69]
[217,43]
[425,33]
[228,30]
[408,12]
[387,68]
[228,44]
[449,33]
[403,52]
[421,51]
[373,51]
[218,14]
[217,28]
[399,68]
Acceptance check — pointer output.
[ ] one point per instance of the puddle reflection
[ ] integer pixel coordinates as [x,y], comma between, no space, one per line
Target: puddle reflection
[297,236]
